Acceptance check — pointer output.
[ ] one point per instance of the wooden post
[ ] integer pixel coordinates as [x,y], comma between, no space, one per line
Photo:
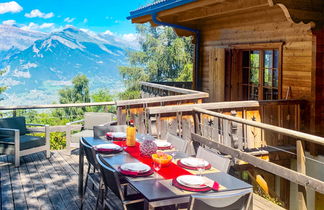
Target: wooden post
[301,168]
[14,113]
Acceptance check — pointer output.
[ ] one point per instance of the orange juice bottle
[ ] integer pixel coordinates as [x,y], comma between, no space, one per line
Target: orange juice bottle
[131,134]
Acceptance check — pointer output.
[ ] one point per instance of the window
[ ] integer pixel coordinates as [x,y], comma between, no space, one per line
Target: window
[260,74]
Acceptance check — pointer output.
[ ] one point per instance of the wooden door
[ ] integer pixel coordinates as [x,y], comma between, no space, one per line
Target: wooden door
[217,75]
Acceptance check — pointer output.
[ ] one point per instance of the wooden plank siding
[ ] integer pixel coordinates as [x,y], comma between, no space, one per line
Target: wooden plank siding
[264,26]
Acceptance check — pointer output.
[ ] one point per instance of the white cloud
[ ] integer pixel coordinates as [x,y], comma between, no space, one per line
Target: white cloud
[85,20]
[29,65]
[130,37]
[9,82]
[108,33]
[69,20]
[9,22]
[37,13]
[11,6]
[35,26]
[21,74]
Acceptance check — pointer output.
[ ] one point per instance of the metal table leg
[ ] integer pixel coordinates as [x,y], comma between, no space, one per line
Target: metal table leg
[81,172]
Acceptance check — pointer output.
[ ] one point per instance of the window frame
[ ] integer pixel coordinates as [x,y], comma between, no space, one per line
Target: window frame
[262,47]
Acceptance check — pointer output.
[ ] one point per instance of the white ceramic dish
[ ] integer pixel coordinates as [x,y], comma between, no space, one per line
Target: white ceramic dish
[108,146]
[162,143]
[194,162]
[192,181]
[136,167]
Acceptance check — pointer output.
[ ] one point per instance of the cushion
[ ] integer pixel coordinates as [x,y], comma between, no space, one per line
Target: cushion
[96,118]
[85,133]
[101,130]
[13,123]
[26,142]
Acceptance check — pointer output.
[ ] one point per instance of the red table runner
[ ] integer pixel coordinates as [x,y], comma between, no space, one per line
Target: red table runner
[169,172]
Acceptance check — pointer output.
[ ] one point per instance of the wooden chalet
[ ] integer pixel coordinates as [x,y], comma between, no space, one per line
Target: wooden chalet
[283,38]
[261,50]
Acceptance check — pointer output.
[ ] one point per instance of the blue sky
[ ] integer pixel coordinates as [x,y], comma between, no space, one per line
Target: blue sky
[47,15]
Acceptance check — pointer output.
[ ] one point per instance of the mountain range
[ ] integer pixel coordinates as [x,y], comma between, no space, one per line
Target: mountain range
[37,64]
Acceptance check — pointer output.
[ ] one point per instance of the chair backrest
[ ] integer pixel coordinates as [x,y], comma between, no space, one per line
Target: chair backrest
[177,142]
[110,178]
[216,160]
[234,200]
[13,123]
[96,118]
[101,130]
[89,153]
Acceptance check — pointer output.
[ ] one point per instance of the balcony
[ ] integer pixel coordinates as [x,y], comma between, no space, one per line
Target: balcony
[258,135]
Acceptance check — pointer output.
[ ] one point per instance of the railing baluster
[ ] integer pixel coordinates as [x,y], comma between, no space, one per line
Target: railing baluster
[301,168]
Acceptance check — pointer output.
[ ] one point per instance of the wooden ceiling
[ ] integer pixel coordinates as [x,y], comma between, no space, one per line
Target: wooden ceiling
[192,14]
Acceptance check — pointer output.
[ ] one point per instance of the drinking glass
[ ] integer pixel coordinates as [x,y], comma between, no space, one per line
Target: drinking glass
[201,166]
[157,166]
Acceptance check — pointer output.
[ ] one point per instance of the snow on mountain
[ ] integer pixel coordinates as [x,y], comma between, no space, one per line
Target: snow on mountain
[14,37]
[50,62]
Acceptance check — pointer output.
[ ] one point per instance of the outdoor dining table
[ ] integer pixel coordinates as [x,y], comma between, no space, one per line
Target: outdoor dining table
[156,190]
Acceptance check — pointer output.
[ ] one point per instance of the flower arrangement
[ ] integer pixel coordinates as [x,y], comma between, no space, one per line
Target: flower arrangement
[148,147]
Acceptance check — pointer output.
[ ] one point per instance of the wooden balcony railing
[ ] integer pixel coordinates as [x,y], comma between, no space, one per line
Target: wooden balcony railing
[225,142]
[179,120]
[155,95]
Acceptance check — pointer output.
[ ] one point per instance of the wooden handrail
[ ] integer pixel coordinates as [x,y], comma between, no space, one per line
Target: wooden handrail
[293,176]
[53,106]
[284,131]
[169,88]
[160,99]
[218,105]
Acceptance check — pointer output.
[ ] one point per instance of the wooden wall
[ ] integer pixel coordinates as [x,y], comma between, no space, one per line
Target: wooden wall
[265,25]
[268,25]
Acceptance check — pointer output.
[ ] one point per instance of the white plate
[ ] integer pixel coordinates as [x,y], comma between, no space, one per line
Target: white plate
[191,180]
[118,134]
[136,167]
[194,162]
[108,146]
[162,143]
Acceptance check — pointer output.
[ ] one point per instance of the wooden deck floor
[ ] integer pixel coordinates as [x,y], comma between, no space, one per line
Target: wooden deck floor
[41,183]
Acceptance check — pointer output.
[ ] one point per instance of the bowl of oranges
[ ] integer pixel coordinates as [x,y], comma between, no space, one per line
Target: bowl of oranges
[162,158]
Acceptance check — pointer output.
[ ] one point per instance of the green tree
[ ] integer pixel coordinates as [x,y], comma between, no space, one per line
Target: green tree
[79,93]
[2,88]
[102,95]
[163,57]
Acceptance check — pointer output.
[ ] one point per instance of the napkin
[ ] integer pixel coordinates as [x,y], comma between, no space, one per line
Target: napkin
[212,184]
[183,187]
[135,174]
[165,148]
[105,150]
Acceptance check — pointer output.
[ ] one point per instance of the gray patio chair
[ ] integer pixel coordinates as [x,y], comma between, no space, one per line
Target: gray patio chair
[100,131]
[216,160]
[232,200]
[85,126]
[93,176]
[112,182]
[177,142]
[15,138]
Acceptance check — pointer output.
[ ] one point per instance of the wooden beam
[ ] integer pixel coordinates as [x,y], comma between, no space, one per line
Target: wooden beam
[221,9]
[161,99]
[293,176]
[301,168]
[209,106]
[218,105]
[53,106]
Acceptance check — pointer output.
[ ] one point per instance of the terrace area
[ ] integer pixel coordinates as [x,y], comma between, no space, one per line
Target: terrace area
[262,138]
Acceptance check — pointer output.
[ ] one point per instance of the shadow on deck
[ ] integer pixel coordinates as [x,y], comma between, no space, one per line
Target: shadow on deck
[41,183]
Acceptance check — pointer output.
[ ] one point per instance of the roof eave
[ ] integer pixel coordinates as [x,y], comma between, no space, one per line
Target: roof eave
[158,8]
